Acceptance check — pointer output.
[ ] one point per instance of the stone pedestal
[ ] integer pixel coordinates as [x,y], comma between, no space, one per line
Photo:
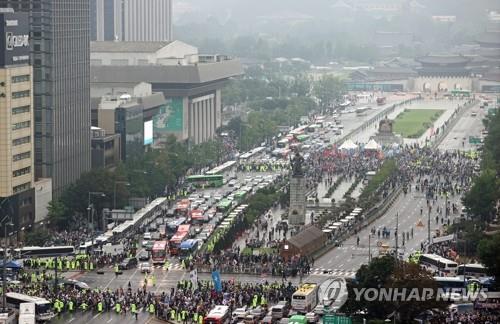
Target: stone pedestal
[297,213]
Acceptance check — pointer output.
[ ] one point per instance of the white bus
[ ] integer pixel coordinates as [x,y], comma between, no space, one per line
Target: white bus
[43,307]
[436,263]
[472,270]
[305,298]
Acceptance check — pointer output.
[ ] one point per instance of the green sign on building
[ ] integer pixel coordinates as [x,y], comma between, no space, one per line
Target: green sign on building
[335,319]
[474,140]
[170,117]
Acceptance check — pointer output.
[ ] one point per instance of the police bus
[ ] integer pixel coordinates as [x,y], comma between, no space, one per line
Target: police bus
[436,263]
[305,298]
[473,270]
[43,307]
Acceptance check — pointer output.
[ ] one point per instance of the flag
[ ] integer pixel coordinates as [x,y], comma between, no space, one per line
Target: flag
[217,281]
[193,276]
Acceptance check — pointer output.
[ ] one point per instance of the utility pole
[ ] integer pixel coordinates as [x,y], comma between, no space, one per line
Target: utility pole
[397,235]
[428,226]
[369,248]
[6,221]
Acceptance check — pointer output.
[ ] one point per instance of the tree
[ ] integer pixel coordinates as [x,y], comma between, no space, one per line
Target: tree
[37,237]
[58,215]
[328,90]
[481,198]
[489,254]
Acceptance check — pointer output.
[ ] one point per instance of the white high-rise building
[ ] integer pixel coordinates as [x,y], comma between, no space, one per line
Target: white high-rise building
[131,20]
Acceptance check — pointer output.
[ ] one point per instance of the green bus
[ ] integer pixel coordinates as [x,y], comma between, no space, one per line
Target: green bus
[460,93]
[240,195]
[213,180]
[224,205]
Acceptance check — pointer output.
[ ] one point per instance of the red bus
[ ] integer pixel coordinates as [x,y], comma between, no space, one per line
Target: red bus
[175,242]
[218,315]
[197,217]
[182,208]
[159,252]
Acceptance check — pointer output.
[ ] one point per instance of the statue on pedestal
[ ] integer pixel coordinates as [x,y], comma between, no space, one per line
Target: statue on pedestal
[297,165]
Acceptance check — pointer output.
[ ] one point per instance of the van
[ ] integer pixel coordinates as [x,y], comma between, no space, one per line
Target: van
[147,236]
[280,311]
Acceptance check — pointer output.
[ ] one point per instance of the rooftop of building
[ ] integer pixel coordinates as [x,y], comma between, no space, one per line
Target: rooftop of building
[443,59]
[490,38]
[127,47]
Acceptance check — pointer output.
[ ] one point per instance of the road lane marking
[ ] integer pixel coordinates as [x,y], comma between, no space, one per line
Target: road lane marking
[109,320]
[71,320]
[96,315]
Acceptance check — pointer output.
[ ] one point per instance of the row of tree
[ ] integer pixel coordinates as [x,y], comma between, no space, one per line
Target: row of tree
[154,173]
[482,201]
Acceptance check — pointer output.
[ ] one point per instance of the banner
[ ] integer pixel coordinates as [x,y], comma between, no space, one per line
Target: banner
[217,281]
[193,276]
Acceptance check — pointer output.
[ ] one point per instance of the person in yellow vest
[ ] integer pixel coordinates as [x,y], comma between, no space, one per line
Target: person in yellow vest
[200,319]
[118,307]
[133,310]
[91,266]
[153,279]
[254,301]
[195,317]
[172,314]
[99,307]
[151,309]
[71,306]
[117,270]
[84,306]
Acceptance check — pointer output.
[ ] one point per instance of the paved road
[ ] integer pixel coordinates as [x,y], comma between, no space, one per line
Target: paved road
[345,260]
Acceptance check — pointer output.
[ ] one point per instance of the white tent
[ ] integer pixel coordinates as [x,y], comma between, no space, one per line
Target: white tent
[348,145]
[372,145]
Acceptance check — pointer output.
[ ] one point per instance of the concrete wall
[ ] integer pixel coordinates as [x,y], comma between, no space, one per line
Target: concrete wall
[438,84]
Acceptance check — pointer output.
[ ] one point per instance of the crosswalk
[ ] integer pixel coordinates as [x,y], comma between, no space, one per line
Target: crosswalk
[332,272]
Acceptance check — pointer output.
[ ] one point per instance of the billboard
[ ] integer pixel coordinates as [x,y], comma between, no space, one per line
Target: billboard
[170,117]
[148,132]
[14,38]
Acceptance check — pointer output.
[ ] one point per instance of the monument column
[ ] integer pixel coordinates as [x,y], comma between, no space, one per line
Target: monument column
[297,213]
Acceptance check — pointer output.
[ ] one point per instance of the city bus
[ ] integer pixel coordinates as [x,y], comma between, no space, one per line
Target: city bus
[283,143]
[188,247]
[41,251]
[472,269]
[198,217]
[305,299]
[302,138]
[218,315]
[173,225]
[224,205]
[436,263]
[240,195]
[159,252]
[182,207]
[43,307]
[175,242]
[210,180]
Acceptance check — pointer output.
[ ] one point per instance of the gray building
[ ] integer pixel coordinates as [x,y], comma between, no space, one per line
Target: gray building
[192,86]
[61,69]
[131,20]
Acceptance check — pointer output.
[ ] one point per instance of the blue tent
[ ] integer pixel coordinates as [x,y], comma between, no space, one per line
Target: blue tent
[15,265]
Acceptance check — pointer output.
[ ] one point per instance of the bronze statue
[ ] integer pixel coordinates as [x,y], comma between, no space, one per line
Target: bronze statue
[297,163]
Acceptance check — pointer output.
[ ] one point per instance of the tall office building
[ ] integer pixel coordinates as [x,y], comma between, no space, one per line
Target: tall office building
[16,120]
[131,20]
[60,39]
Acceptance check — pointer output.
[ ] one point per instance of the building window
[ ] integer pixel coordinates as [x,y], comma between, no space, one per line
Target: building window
[21,156]
[21,125]
[20,110]
[22,187]
[20,78]
[20,172]
[21,141]
[20,94]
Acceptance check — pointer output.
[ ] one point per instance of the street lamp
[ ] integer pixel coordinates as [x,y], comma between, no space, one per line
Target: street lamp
[114,190]
[6,221]
[90,210]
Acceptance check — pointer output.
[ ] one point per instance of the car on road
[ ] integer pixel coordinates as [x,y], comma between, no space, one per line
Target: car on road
[312,317]
[240,313]
[473,114]
[145,267]
[143,255]
[72,283]
[280,310]
[147,245]
[258,312]
[128,263]
[147,236]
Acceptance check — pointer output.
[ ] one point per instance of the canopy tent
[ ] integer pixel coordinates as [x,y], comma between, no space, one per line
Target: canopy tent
[372,145]
[344,220]
[357,209]
[349,217]
[337,224]
[348,145]
[327,231]
[333,227]
[11,265]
